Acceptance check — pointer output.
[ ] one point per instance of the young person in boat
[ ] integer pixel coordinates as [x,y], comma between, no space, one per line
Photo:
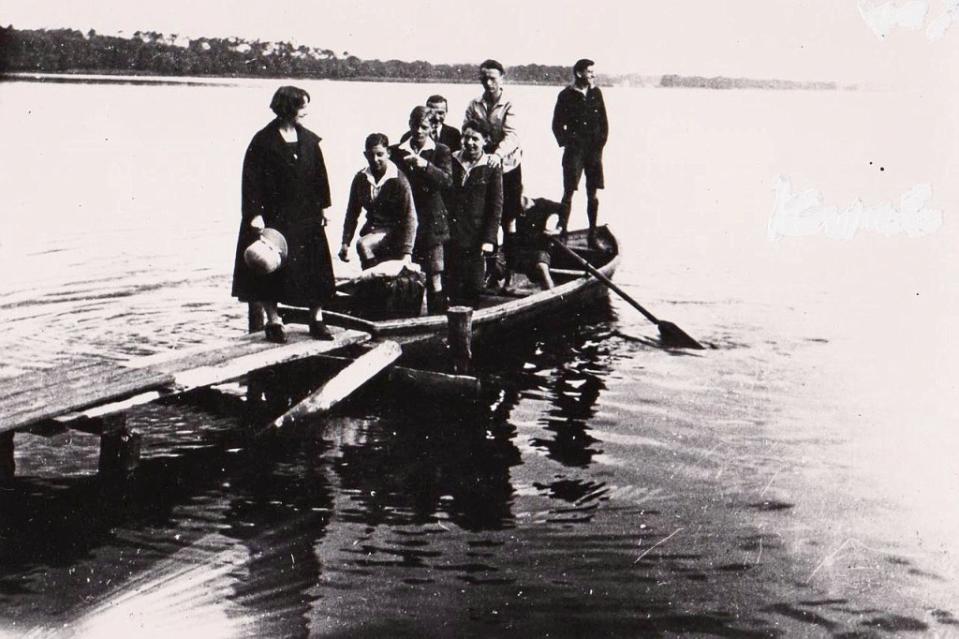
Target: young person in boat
[503,148]
[285,188]
[475,210]
[427,166]
[581,129]
[384,193]
[441,132]
[539,220]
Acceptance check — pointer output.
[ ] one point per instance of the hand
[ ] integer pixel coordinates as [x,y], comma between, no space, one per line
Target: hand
[417,161]
[258,223]
[487,248]
[495,160]
[344,253]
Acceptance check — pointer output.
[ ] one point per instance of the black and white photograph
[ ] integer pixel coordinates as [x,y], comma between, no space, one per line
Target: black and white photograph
[515,318]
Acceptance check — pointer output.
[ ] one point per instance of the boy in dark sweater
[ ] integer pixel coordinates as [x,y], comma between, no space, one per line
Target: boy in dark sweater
[383,191]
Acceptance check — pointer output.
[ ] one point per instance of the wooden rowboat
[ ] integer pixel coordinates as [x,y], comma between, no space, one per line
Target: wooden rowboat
[497,315]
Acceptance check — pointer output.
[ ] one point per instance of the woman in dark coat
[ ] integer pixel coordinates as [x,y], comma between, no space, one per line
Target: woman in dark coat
[285,187]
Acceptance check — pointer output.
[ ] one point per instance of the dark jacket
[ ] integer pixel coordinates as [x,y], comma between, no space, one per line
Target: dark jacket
[428,185]
[392,208]
[476,205]
[531,224]
[288,186]
[579,121]
[449,135]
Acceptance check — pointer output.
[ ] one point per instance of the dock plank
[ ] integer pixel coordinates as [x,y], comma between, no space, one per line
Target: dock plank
[97,389]
[31,398]
[251,353]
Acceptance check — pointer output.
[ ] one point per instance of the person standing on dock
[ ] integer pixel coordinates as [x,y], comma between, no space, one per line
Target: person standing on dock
[385,194]
[581,129]
[475,210]
[285,188]
[503,149]
[427,166]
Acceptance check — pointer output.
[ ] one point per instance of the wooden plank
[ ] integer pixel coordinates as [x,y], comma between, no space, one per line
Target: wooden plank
[426,381]
[29,383]
[107,390]
[33,398]
[301,346]
[568,271]
[221,352]
[343,384]
[434,383]
[72,419]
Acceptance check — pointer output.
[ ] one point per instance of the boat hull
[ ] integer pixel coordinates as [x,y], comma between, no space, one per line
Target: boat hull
[498,317]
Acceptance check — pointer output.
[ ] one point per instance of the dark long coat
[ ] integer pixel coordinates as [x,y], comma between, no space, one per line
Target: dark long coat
[287,184]
[429,185]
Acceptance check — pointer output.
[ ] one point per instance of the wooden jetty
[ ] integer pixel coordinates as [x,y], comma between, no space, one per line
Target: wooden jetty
[93,396]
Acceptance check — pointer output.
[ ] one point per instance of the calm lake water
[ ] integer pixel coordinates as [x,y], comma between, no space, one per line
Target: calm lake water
[798,478]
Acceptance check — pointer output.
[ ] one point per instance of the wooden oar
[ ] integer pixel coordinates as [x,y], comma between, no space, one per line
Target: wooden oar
[671,334]
[341,385]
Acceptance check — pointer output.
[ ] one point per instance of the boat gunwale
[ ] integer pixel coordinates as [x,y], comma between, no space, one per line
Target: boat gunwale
[435,323]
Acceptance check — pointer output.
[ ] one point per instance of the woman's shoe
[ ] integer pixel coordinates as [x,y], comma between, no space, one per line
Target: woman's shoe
[318,330]
[275,333]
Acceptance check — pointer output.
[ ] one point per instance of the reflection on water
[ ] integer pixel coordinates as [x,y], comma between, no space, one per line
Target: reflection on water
[516,516]
[794,479]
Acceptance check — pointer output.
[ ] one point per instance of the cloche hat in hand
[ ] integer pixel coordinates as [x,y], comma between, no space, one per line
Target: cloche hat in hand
[267,253]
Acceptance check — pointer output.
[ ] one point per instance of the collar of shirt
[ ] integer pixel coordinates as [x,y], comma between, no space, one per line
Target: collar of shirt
[429,145]
[375,185]
[584,90]
[501,103]
[467,165]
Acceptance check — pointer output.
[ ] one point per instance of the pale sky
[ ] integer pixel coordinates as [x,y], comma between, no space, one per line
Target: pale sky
[790,39]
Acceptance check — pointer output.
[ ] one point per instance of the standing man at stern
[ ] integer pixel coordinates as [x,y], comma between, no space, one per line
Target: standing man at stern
[503,149]
[581,128]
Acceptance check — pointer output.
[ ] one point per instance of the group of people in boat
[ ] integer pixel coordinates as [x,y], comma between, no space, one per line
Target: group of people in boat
[440,197]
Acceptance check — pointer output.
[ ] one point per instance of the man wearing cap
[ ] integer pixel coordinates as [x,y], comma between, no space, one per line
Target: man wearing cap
[581,129]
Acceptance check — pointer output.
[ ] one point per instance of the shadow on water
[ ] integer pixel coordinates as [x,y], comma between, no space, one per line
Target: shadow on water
[67,543]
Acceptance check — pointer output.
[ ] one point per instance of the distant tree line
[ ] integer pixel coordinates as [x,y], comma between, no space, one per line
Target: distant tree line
[740,83]
[150,52]
[153,53]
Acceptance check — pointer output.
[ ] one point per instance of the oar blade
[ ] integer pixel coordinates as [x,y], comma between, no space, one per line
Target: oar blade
[675,337]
